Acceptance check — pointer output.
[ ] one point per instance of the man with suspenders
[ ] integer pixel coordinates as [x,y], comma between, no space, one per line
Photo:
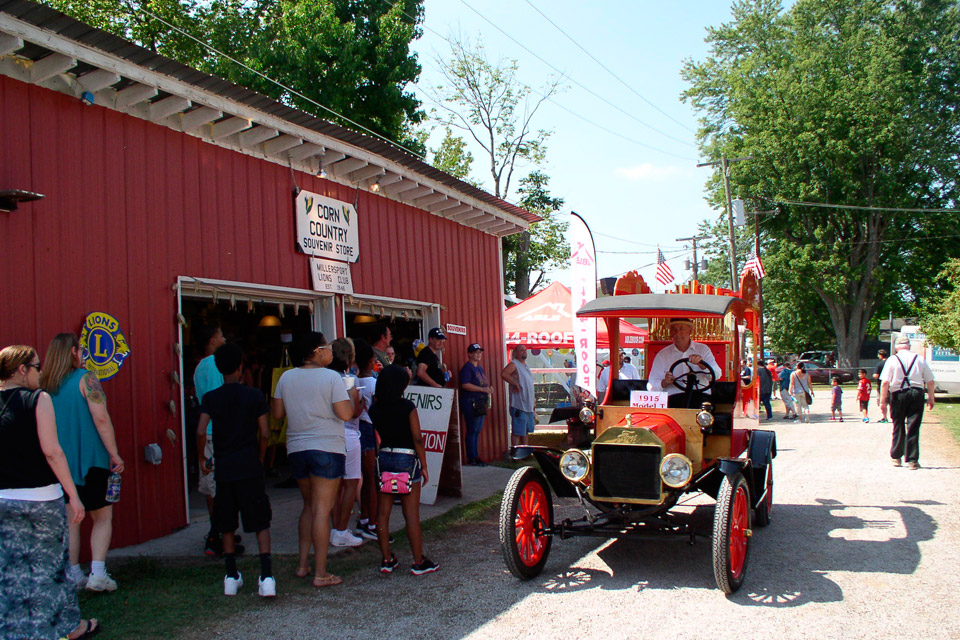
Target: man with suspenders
[906,375]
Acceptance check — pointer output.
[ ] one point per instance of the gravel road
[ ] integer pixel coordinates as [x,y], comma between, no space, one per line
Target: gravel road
[856,549]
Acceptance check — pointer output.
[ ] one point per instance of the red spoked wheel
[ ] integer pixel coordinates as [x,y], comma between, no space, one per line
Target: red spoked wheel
[526,512]
[731,533]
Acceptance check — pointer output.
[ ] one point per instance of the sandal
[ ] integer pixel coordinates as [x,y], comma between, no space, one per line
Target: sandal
[303,572]
[93,628]
[329,581]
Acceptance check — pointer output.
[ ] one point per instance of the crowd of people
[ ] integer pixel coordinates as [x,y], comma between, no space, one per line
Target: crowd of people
[351,438]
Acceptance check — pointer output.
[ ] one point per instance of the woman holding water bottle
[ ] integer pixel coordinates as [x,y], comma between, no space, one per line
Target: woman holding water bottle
[87,437]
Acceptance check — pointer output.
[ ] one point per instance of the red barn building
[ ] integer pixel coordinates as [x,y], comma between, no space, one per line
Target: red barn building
[168,201]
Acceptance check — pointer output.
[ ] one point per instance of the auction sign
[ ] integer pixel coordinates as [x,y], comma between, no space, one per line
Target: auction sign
[433,406]
[103,347]
[327,228]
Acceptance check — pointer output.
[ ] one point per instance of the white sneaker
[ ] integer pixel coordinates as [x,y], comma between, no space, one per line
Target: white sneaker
[267,587]
[344,538]
[232,585]
[101,583]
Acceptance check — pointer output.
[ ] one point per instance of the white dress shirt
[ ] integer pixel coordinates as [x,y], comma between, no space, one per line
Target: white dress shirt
[629,372]
[920,373]
[670,354]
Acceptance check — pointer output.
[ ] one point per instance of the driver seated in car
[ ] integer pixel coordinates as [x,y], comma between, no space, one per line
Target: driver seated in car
[700,359]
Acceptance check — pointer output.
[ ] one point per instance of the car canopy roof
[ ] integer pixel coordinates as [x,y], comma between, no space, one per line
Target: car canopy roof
[662,305]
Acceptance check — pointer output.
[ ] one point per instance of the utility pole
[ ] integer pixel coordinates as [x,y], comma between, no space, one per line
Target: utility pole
[725,167]
[696,265]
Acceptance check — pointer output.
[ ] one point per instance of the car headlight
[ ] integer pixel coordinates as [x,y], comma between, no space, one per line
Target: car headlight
[704,418]
[586,415]
[676,470]
[574,465]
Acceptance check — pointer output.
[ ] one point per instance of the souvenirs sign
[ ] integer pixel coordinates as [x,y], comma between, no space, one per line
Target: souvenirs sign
[327,228]
[103,346]
[433,408]
[331,276]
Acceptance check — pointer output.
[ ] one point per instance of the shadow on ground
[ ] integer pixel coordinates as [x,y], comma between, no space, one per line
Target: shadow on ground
[789,560]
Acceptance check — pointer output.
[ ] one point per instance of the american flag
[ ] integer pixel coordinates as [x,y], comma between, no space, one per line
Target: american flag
[664,274]
[754,264]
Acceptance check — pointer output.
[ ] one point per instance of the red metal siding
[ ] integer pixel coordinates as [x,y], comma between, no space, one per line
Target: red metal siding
[131,205]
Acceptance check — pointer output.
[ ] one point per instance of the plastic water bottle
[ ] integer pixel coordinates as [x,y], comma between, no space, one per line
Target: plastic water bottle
[113,487]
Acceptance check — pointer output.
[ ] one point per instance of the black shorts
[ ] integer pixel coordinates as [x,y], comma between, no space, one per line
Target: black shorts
[864,405]
[248,498]
[93,493]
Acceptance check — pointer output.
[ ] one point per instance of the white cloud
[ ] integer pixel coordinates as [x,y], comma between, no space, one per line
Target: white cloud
[648,171]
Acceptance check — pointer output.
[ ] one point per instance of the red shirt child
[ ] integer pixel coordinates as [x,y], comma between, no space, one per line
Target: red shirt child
[864,387]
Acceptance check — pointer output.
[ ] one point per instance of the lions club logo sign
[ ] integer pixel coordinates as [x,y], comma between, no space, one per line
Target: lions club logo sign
[104,348]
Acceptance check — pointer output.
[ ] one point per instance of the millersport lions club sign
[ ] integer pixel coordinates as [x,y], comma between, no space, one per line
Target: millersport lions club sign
[103,347]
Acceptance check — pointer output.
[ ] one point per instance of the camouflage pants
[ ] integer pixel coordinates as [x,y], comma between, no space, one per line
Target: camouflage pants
[37,600]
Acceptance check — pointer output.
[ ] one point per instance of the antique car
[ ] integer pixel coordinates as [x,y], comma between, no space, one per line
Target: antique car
[649,449]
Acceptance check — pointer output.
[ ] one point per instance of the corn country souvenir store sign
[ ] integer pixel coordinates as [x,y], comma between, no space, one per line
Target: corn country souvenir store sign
[327,228]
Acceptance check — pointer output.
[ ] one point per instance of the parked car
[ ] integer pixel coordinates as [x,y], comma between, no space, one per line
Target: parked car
[819,357]
[820,374]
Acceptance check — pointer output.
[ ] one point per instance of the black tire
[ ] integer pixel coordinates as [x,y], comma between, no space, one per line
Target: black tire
[764,509]
[526,508]
[731,533]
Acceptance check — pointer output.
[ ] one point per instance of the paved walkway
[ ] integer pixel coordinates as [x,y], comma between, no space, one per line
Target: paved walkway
[478,483]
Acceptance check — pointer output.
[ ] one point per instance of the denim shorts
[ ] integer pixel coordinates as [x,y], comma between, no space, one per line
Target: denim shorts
[319,464]
[524,422]
[399,463]
[368,440]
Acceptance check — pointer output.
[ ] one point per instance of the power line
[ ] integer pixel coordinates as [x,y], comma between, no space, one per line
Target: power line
[863,208]
[590,91]
[607,69]
[269,79]
[642,244]
[578,115]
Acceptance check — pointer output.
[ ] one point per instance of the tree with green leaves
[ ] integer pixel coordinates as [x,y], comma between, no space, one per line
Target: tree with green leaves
[491,106]
[544,245]
[487,102]
[850,105]
[941,321]
[351,56]
[452,155]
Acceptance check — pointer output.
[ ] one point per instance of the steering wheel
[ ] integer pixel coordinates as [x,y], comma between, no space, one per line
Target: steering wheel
[691,381]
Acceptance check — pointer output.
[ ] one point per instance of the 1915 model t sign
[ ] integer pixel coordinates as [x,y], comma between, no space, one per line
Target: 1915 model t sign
[643,459]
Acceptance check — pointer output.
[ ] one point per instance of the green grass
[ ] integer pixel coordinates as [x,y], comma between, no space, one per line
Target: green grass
[947,410]
[159,598]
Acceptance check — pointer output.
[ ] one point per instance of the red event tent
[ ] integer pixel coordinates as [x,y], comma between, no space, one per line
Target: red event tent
[545,321]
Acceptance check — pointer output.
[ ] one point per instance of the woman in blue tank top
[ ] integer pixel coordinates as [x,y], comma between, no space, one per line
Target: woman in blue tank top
[90,444]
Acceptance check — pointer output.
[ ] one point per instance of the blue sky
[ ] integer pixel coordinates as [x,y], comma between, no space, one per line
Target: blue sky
[634,197]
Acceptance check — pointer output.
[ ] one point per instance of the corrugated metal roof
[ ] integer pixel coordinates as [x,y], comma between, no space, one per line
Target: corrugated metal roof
[52,20]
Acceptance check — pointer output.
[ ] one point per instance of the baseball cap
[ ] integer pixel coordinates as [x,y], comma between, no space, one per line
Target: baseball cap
[436,332]
[474,347]
[606,363]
